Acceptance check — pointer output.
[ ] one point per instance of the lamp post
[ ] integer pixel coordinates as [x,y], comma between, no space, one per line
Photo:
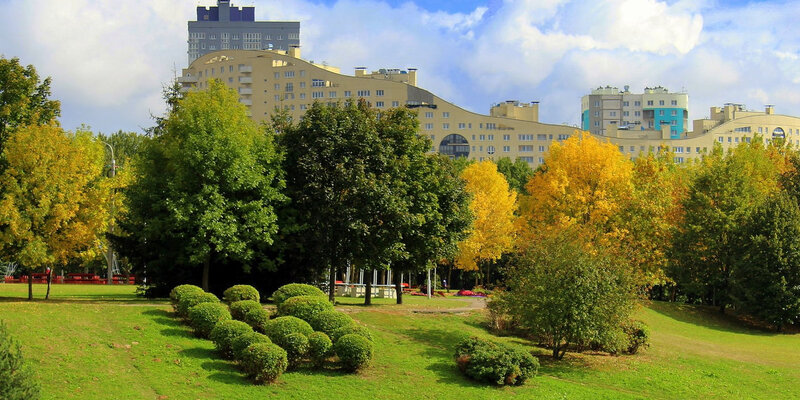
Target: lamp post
[110,254]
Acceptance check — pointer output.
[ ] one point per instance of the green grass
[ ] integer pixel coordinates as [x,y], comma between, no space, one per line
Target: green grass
[106,293]
[105,349]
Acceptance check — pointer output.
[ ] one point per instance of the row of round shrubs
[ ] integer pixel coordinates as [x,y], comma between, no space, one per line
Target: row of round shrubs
[307,328]
[261,360]
[495,363]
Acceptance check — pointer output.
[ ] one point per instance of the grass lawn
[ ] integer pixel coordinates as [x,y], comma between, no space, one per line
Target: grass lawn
[138,350]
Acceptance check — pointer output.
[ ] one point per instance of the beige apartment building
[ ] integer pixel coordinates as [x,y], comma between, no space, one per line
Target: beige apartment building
[270,78]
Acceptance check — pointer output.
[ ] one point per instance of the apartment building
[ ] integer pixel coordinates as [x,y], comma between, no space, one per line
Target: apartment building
[607,107]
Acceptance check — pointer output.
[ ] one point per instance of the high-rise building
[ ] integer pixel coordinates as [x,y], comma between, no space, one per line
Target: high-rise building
[225,27]
[651,110]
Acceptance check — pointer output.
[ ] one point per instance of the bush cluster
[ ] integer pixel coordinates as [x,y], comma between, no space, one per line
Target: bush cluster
[279,328]
[295,289]
[304,307]
[225,332]
[240,309]
[354,351]
[191,299]
[240,343]
[241,292]
[491,362]
[258,319]
[178,292]
[205,316]
[264,362]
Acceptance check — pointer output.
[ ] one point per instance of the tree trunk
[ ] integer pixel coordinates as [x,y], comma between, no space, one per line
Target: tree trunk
[206,271]
[30,285]
[368,294]
[49,279]
[449,281]
[398,287]
[332,284]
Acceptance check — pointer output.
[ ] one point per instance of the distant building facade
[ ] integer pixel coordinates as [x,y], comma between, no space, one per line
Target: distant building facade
[656,107]
[225,27]
[266,80]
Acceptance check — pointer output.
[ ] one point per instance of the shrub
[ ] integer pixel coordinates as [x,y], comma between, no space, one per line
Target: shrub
[257,319]
[354,351]
[304,307]
[191,299]
[296,346]
[17,381]
[336,334]
[178,292]
[241,292]
[328,321]
[295,289]
[205,316]
[225,332]
[637,334]
[500,320]
[264,362]
[240,309]
[319,347]
[241,342]
[487,361]
[279,328]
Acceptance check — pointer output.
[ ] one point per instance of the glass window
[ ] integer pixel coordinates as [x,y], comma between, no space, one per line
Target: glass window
[454,145]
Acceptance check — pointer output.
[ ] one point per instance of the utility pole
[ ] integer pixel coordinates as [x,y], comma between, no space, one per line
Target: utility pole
[110,253]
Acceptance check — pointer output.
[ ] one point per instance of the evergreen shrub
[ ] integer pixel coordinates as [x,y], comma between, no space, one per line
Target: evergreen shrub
[224,333]
[240,292]
[304,307]
[295,289]
[205,316]
[264,362]
[354,351]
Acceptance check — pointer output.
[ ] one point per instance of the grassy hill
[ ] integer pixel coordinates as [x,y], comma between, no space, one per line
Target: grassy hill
[98,342]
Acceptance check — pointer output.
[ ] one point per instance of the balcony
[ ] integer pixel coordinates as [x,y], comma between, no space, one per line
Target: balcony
[245,79]
[187,79]
[246,102]
[245,69]
[243,90]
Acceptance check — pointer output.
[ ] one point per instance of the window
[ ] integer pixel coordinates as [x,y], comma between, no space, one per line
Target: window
[506,149]
[490,149]
[673,122]
[563,137]
[277,75]
[613,113]
[637,113]
[482,137]
[454,145]
[317,83]
[541,137]
[597,113]
[302,73]
[525,149]
[379,104]
[379,92]
[678,149]
[524,137]
[541,148]
[526,159]
[625,104]
[363,93]
[491,137]
[633,148]
[720,139]
[445,114]
[428,127]
[649,102]
[506,137]
[674,112]
[348,93]
[445,126]
[660,113]
[661,102]
[302,84]
[678,160]
[637,103]
[277,86]
[596,123]
[317,95]
[332,95]
[395,104]
[541,160]
[462,125]
[302,96]
[674,102]
[429,114]
[288,74]
[625,113]
[597,104]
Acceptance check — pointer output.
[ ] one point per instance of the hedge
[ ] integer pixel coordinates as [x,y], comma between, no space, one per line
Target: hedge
[240,343]
[225,332]
[239,309]
[295,289]
[354,351]
[241,292]
[205,316]
[191,299]
[264,362]
[304,307]
[328,321]
[279,328]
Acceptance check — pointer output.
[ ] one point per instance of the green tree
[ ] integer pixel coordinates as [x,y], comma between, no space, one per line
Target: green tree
[24,100]
[517,173]
[206,191]
[722,194]
[567,294]
[766,277]
[51,206]
[17,381]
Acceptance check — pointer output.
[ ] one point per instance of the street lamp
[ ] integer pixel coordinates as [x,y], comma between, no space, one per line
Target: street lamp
[110,255]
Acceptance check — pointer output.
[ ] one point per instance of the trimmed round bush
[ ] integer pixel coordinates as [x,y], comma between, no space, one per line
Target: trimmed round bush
[178,291]
[241,292]
[225,332]
[205,316]
[240,343]
[319,347]
[296,346]
[637,334]
[354,351]
[328,321]
[239,309]
[295,289]
[258,319]
[355,329]
[191,299]
[304,307]
[264,362]
[491,362]
[279,328]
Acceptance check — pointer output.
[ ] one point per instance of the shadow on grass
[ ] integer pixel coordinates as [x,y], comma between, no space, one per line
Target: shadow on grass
[84,300]
[707,317]
[177,332]
[201,354]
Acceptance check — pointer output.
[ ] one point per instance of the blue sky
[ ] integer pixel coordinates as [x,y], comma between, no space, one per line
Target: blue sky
[109,59]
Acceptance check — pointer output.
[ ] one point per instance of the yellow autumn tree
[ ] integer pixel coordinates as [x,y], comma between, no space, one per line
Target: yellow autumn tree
[493,206]
[52,206]
[583,185]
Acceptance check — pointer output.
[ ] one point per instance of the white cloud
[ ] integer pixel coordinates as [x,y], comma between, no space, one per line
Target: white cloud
[108,60]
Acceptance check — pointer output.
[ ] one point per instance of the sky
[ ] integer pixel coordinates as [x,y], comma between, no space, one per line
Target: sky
[110,59]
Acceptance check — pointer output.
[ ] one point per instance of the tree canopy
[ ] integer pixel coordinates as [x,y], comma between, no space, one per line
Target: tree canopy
[24,99]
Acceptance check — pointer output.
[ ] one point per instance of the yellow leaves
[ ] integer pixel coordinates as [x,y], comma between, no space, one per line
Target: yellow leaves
[51,205]
[493,205]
